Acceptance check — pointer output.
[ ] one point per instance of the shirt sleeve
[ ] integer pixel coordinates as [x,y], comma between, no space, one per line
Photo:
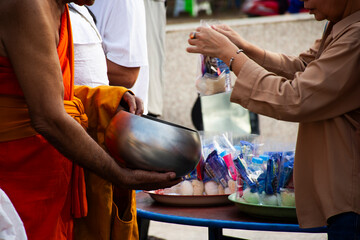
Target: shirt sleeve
[287,66]
[320,89]
[122,26]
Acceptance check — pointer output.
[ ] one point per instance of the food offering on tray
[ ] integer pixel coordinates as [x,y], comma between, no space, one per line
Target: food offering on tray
[215,173]
[254,173]
[265,177]
[205,186]
[196,187]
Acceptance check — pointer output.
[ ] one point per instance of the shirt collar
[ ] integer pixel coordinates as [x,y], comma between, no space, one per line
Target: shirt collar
[344,23]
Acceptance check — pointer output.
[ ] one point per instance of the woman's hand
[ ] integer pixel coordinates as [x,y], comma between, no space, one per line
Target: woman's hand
[211,43]
[251,50]
[232,35]
[132,103]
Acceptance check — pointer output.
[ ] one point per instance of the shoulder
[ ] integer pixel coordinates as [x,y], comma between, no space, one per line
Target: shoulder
[14,12]
[28,19]
[354,30]
[350,37]
[348,29]
[24,7]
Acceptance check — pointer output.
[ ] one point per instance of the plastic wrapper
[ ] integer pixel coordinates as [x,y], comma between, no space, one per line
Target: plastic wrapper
[244,174]
[216,168]
[268,180]
[263,170]
[222,143]
[213,74]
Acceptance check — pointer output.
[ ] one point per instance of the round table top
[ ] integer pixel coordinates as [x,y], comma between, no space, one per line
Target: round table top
[222,216]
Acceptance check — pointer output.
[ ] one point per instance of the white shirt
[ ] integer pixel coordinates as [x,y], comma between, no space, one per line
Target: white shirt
[122,26]
[89,58]
[11,226]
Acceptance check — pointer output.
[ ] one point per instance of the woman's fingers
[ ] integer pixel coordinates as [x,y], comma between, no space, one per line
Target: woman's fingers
[192,35]
[192,50]
[218,29]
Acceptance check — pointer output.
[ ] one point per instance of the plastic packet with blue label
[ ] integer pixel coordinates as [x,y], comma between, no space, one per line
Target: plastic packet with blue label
[216,168]
[285,186]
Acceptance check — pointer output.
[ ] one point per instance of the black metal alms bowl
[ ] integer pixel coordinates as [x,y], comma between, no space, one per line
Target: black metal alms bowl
[143,142]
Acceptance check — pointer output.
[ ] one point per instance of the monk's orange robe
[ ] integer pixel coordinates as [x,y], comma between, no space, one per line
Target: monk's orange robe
[112,211]
[46,189]
[37,178]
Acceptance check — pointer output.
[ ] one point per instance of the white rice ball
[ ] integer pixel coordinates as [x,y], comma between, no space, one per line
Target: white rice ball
[250,197]
[211,188]
[221,189]
[186,188]
[232,186]
[227,191]
[288,199]
[198,187]
[270,200]
[173,190]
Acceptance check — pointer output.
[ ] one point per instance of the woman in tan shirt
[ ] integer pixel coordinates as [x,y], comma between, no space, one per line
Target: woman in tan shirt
[320,89]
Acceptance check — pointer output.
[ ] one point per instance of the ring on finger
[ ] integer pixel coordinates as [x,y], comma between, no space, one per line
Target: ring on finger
[193,35]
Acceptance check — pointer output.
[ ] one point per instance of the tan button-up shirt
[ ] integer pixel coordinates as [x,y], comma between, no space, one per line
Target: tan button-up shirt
[320,89]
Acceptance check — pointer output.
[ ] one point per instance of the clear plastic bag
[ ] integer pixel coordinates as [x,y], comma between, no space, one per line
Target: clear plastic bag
[213,74]
[274,185]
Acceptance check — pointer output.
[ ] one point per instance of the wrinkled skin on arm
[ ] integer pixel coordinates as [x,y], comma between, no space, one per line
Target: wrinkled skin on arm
[29,34]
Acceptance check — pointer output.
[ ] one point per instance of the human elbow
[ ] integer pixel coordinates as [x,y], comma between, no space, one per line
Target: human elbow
[122,81]
[44,123]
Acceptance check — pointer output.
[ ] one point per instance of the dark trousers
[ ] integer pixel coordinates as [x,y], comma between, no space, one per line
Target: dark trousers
[345,226]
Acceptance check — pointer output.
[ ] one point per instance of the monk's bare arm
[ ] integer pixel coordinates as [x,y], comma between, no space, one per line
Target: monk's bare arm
[29,38]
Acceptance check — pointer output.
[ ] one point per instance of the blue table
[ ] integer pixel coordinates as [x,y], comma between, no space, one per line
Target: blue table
[215,218]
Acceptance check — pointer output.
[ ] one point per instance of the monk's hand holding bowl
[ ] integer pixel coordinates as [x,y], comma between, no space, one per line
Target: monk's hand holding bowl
[132,104]
[147,180]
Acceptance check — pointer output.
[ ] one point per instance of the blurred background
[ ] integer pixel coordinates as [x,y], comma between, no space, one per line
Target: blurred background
[192,10]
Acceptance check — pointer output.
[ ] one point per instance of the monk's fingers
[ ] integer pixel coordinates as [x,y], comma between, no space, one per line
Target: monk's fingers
[158,185]
[139,106]
[132,105]
[130,100]
[148,180]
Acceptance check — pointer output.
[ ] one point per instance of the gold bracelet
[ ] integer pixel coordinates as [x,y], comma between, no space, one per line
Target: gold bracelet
[232,58]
